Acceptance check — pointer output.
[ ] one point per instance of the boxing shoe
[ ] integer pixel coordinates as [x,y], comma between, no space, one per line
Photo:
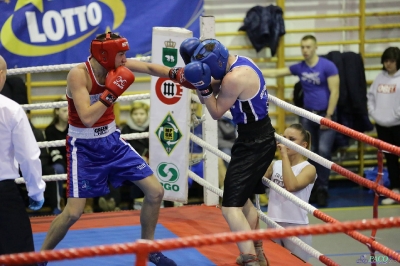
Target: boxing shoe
[249,260]
[160,260]
[262,259]
[390,201]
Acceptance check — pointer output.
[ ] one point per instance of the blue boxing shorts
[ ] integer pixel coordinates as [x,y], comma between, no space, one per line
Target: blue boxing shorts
[97,157]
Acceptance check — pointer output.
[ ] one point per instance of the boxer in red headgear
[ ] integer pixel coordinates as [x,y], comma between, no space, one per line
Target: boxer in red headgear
[96,154]
[104,50]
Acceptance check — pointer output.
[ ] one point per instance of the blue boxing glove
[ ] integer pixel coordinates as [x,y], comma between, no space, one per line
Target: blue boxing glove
[187,48]
[34,204]
[199,75]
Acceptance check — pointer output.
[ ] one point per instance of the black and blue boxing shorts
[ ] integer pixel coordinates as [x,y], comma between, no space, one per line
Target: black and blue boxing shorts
[252,153]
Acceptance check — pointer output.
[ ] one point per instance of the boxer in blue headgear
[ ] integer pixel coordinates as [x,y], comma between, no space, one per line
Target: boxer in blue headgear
[214,54]
[187,48]
[238,85]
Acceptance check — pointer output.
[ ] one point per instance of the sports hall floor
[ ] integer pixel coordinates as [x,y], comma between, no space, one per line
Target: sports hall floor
[347,201]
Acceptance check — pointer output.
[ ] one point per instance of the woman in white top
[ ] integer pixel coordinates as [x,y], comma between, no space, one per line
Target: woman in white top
[295,174]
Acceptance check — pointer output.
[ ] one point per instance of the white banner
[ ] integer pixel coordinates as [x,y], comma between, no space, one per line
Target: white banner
[169,117]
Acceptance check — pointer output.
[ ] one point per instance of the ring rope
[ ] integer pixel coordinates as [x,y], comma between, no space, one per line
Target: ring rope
[315,157]
[61,104]
[336,126]
[54,68]
[143,247]
[219,192]
[310,250]
[339,169]
[306,206]
[297,241]
[376,197]
[60,143]
[326,218]
[327,164]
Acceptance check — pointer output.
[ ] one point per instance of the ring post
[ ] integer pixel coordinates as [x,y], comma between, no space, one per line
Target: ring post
[169,128]
[210,128]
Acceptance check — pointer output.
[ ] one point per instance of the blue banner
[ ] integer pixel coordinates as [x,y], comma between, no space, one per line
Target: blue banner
[39,32]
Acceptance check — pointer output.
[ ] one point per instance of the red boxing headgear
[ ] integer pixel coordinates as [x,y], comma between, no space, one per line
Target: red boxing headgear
[105,51]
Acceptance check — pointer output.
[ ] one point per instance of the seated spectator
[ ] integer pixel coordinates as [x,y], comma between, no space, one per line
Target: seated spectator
[51,192]
[138,122]
[226,135]
[195,151]
[226,138]
[57,130]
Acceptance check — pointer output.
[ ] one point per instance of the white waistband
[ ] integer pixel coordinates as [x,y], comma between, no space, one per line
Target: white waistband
[92,132]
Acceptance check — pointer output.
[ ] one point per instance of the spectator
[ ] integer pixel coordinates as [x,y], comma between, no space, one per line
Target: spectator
[196,162]
[226,138]
[383,107]
[320,82]
[296,175]
[57,130]
[51,193]
[18,145]
[226,135]
[138,122]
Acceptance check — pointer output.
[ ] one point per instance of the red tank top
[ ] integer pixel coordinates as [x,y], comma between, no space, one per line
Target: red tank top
[95,92]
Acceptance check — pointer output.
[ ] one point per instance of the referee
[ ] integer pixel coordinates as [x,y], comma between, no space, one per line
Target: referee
[18,146]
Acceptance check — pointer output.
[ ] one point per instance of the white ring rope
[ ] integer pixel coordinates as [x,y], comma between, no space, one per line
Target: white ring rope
[294,109]
[205,183]
[295,240]
[310,250]
[55,68]
[60,143]
[303,151]
[61,104]
[46,178]
[209,147]
[302,204]
[196,178]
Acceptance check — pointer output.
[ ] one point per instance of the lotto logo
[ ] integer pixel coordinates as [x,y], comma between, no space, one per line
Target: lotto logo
[120,82]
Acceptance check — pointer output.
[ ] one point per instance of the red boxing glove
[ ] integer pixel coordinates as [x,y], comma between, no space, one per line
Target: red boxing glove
[117,81]
[177,74]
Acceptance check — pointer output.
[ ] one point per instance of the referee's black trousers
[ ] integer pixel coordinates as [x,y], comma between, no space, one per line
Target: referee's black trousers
[15,226]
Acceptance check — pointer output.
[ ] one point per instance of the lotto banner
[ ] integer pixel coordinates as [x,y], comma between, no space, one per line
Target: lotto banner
[39,32]
[169,117]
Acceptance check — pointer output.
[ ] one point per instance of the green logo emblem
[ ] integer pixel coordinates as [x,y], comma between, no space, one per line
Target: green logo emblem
[168,133]
[167,172]
[170,54]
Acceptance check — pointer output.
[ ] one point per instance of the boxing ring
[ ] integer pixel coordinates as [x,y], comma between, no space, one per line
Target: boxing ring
[199,234]
[202,227]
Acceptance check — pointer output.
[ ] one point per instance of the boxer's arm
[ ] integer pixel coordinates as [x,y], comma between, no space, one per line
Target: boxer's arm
[77,83]
[216,86]
[147,68]
[231,87]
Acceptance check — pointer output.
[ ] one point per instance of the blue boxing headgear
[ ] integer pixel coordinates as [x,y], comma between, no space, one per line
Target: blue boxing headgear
[215,55]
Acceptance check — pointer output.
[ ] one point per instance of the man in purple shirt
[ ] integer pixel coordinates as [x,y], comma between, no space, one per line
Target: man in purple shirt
[320,82]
